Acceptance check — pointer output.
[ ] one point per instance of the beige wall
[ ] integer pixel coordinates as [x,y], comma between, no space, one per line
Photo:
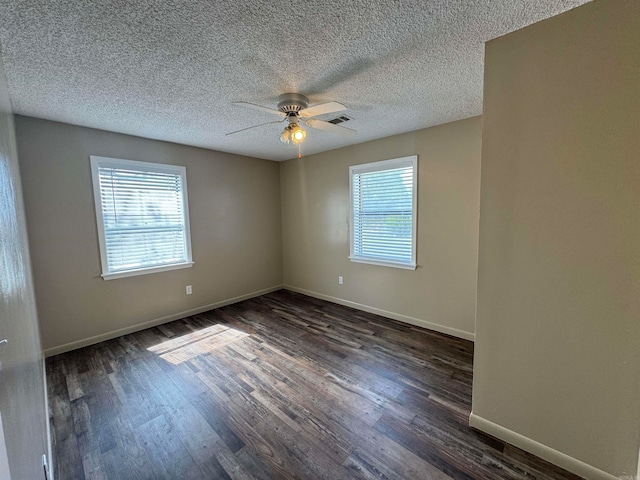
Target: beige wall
[557,358]
[234,205]
[23,414]
[441,293]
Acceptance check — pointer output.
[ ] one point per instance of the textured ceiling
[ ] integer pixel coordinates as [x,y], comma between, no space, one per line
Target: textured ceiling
[169,70]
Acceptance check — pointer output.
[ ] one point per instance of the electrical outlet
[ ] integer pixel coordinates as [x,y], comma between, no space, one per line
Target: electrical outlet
[189,291]
[340,280]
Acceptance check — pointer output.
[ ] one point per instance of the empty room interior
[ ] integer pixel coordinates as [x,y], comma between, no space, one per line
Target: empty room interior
[376,239]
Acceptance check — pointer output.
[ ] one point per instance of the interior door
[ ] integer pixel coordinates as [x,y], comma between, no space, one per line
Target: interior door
[23,435]
[4,460]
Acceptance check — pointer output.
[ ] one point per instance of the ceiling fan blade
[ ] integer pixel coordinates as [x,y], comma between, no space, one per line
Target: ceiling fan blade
[261,108]
[329,127]
[328,107]
[255,126]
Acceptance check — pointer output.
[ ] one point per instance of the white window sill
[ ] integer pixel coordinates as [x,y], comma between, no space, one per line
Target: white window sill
[381,263]
[145,271]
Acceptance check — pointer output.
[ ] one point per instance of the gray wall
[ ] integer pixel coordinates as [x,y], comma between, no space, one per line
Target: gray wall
[441,293]
[557,355]
[234,205]
[22,401]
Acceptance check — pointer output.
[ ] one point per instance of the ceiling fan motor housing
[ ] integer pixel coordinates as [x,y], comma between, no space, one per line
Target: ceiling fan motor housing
[292,103]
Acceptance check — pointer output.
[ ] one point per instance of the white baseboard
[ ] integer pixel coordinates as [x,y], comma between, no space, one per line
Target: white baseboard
[49,352]
[384,313]
[546,453]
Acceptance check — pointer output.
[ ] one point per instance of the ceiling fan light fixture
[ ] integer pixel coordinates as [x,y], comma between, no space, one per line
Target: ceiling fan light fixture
[292,133]
[294,108]
[298,135]
[285,135]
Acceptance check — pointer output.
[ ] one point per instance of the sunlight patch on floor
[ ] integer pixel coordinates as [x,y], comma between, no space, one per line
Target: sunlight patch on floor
[206,340]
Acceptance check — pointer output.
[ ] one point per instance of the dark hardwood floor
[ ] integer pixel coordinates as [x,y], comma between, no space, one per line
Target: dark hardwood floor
[280,386]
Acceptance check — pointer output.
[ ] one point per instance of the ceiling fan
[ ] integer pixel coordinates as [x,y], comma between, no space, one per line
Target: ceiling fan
[294,109]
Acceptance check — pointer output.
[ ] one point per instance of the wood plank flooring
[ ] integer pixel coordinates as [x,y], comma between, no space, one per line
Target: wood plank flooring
[282,386]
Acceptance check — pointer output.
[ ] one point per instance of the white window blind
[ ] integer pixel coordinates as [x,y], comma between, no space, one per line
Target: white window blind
[383,212]
[142,216]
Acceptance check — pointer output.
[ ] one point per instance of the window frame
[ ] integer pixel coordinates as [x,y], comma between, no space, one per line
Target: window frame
[394,163]
[98,162]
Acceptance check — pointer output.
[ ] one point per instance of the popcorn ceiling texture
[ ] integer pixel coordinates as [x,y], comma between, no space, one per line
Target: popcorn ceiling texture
[169,70]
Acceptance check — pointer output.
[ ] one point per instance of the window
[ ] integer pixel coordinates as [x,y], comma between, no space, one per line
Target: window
[142,215]
[383,212]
